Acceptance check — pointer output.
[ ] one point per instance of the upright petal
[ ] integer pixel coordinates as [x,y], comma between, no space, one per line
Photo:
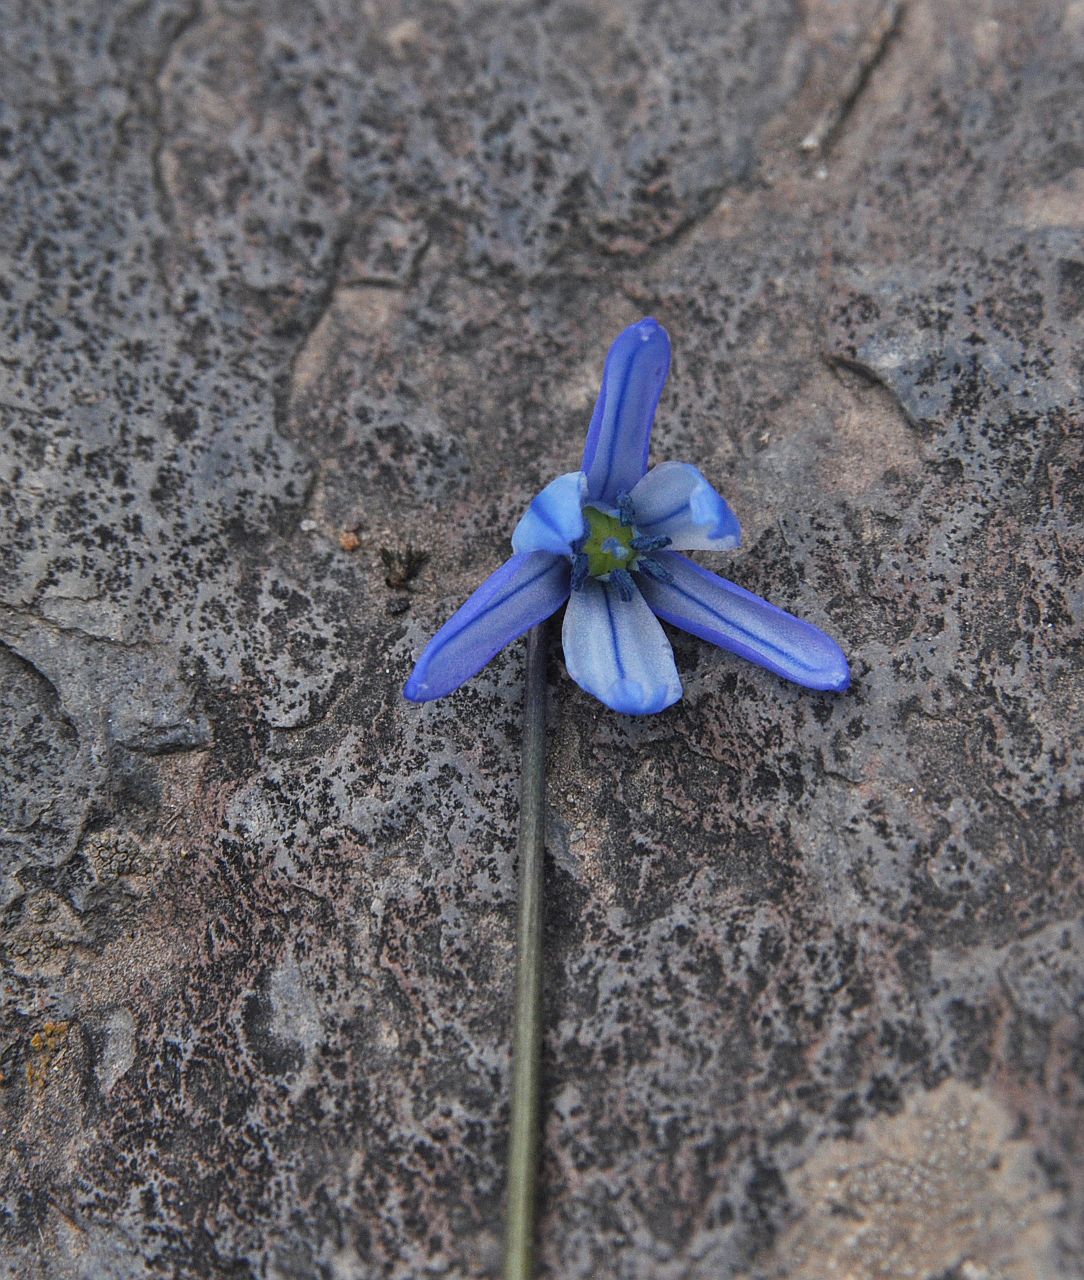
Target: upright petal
[735,619]
[674,499]
[615,455]
[616,650]
[554,520]
[523,591]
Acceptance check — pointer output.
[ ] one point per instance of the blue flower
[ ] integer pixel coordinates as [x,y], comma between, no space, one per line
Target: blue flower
[606,539]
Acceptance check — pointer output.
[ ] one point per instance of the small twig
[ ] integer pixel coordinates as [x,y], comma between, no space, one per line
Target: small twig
[868,54]
[527,1035]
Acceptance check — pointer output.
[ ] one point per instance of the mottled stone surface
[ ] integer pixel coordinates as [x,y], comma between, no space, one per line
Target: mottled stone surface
[289,292]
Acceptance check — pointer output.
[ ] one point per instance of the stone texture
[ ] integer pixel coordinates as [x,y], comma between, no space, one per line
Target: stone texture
[299,304]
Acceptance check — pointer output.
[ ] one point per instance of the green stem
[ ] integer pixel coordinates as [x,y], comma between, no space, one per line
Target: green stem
[527,1035]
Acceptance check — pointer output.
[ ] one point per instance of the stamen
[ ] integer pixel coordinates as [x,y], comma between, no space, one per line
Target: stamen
[579,570]
[649,542]
[617,549]
[624,509]
[622,581]
[654,569]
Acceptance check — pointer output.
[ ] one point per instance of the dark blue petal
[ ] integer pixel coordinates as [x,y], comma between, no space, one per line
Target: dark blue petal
[554,520]
[735,619]
[615,455]
[522,592]
[616,650]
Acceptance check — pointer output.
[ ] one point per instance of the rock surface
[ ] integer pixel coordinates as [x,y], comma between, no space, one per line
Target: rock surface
[294,295]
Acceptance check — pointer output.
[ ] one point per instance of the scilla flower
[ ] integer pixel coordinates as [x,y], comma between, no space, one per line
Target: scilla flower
[606,539]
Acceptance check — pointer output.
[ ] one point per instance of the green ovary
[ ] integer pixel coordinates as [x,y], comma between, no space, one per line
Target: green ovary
[601,528]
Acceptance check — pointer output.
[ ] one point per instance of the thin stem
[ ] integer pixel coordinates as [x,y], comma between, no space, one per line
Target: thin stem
[527,1034]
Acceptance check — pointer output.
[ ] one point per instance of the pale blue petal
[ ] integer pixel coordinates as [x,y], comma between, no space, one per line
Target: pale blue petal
[523,591]
[674,499]
[554,520]
[735,619]
[615,455]
[616,650]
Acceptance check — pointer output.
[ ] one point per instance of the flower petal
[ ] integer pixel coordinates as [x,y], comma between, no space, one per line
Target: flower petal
[523,591]
[675,499]
[616,650]
[554,520]
[735,619]
[615,455]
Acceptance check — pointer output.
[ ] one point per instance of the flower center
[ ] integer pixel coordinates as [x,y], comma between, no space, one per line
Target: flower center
[613,546]
[608,545]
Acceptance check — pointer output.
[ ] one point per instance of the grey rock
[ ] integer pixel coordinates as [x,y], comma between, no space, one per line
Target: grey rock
[299,306]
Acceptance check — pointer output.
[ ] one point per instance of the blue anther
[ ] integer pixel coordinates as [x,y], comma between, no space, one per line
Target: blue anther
[649,542]
[622,581]
[579,570]
[624,509]
[654,569]
[616,549]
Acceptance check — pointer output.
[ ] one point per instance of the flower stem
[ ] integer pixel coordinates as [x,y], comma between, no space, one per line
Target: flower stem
[527,1033]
